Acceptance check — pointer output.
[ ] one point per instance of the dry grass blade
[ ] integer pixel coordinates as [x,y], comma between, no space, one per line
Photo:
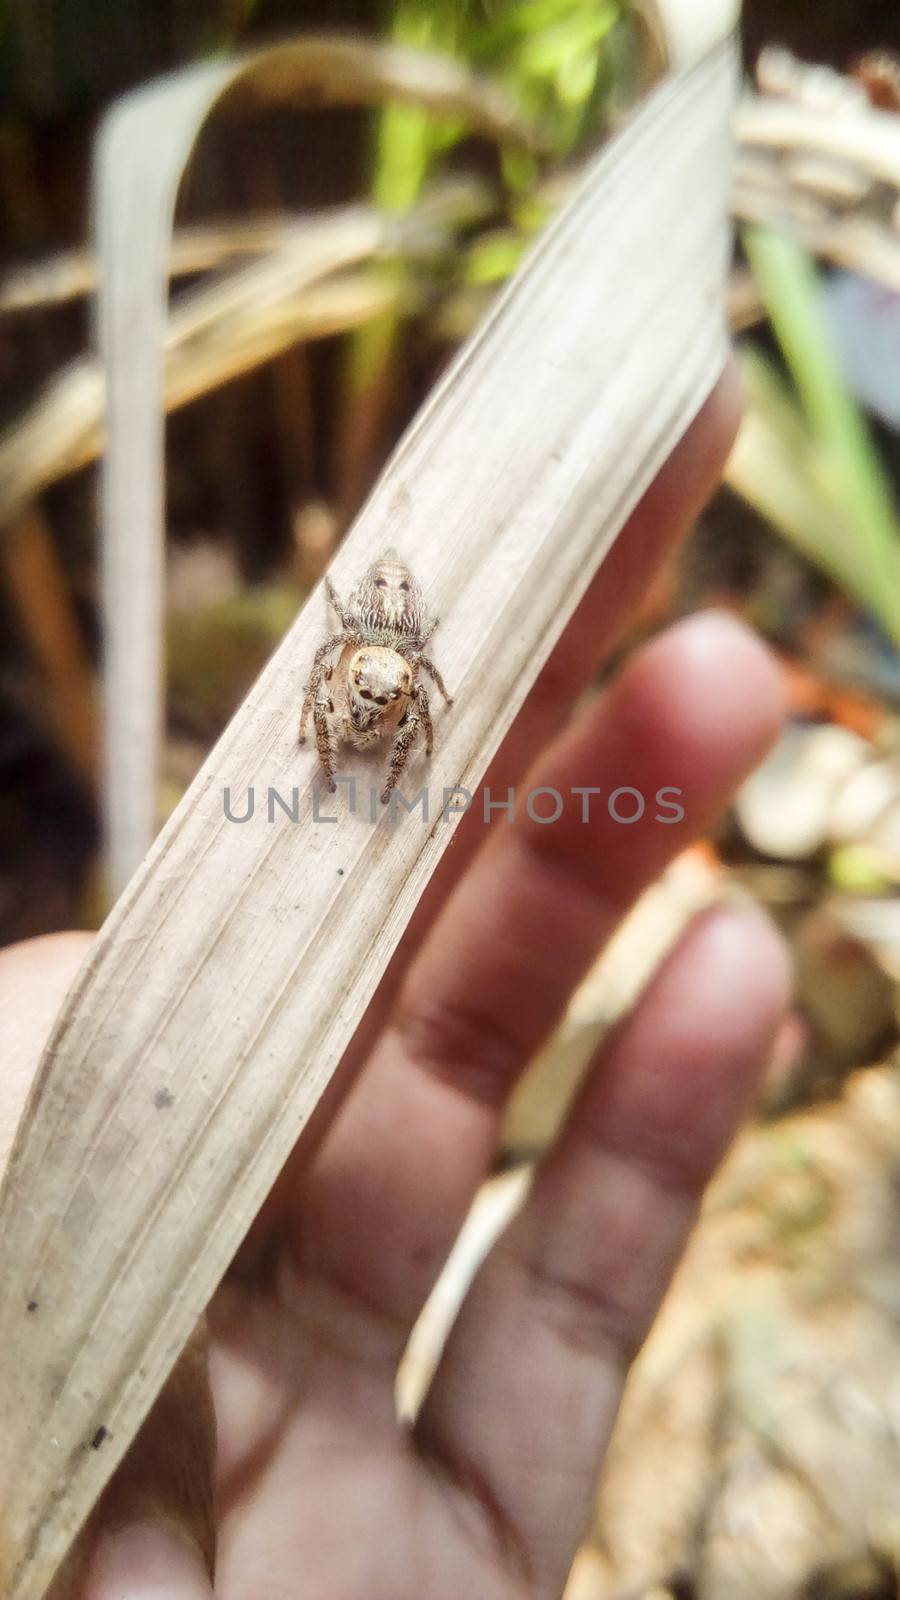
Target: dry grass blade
[57,435]
[867,138]
[331,70]
[297,291]
[71,274]
[226,984]
[66,429]
[819,161]
[39,591]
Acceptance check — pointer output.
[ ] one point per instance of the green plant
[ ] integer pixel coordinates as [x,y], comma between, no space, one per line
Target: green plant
[807,459]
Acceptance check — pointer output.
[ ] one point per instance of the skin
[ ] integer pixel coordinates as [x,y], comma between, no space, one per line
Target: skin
[320,1494]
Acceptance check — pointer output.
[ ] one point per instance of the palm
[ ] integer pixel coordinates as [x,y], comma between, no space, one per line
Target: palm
[321,1493]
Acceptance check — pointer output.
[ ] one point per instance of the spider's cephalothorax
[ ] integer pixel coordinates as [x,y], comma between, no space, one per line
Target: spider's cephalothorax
[373,687]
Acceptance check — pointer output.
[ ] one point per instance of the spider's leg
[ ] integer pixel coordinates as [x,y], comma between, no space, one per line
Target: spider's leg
[312,689]
[400,753]
[317,673]
[424,710]
[431,669]
[324,742]
[337,603]
[331,644]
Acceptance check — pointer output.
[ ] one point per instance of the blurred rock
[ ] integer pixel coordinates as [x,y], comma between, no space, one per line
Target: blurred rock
[785,809]
[846,997]
[758,1451]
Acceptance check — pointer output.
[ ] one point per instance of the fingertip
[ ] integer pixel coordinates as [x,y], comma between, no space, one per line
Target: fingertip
[735,967]
[721,994]
[725,655]
[52,958]
[746,960]
[685,1066]
[35,977]
[713,685]
[152,1533]
[147,1560]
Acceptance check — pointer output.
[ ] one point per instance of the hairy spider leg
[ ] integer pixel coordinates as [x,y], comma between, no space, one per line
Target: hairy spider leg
[421,698]
[425,634]
[431,669]
[337,603]
[319,671]
[325,743]
[400,753]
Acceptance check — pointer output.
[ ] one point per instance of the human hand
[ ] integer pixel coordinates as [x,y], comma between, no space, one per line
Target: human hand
[320,1494]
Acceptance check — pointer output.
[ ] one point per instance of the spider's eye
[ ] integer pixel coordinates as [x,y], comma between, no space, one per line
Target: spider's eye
[404,586]
[382,699]
[381,583]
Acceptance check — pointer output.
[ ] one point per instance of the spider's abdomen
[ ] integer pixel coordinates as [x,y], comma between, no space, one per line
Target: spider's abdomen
[389,601]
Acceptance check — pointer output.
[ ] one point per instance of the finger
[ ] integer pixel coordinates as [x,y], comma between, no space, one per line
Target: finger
[694,709]
[525,1398]
[662,517]
[151,1533]
[34,978]
[143,1562]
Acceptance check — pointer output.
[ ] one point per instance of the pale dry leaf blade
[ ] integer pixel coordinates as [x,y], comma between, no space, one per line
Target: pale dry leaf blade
[230,977]
[143,149]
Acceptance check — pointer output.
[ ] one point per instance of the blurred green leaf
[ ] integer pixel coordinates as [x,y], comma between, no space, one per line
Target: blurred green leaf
[859,538]
[548,56]
[551,53]
[494,257]
[778,467]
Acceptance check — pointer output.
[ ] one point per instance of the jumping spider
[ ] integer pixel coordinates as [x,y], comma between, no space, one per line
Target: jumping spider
[373,689]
